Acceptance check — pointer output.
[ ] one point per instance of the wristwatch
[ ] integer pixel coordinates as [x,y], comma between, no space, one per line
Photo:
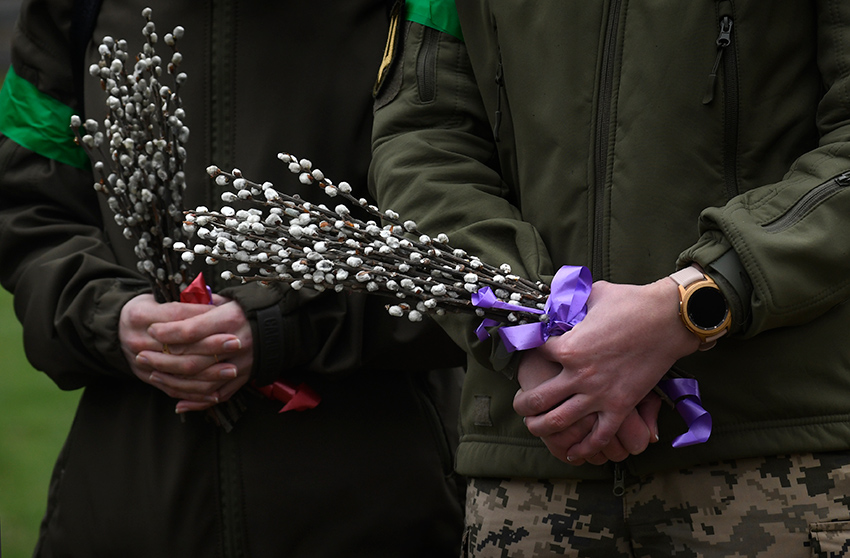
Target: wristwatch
[702,306]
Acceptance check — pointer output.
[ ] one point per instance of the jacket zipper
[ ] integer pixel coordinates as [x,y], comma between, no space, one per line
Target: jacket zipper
[726,54]
[222,134]
[809,202]
[603,130]
[222,78]
[500,86]
[723,41]
[426,65]
[619,480]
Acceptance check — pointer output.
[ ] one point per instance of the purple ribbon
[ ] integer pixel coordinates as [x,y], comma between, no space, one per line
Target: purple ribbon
[685,395]
[567,306]
[485,298]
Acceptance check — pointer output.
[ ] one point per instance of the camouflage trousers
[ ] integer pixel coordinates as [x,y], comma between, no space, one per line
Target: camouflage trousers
[788,507]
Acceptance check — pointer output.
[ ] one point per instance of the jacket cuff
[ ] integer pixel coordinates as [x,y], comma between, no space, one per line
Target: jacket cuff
[733,281]
[274,327]
[268,327]
[720,262]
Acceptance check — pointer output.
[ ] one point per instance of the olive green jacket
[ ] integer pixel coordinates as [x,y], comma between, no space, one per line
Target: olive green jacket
[634,138]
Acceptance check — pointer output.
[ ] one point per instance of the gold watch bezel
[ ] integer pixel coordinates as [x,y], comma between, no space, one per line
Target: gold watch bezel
[685,295]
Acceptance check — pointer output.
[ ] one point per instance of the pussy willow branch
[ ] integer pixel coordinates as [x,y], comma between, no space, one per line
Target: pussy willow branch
[281,237]
[138,158]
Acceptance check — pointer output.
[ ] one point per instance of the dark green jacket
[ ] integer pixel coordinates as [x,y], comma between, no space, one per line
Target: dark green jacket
[368,472]
[597,133]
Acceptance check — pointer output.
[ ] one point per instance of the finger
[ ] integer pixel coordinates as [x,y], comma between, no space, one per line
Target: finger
[534,369]
[560,442]
[648,410]
[228,318]
[602,434]
[559,418]
[220,345]
[615,451]
[151,311]
[599,459]
[194,367]
[185,406]
[230,387]
[540,399]
[634,434]
[181,388]
[225,392]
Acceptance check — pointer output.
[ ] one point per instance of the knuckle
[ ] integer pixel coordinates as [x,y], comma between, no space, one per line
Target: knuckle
[136,346]
[189,367]
[618,456]
[134,314]
[556,421]
[638,446]
[535,402]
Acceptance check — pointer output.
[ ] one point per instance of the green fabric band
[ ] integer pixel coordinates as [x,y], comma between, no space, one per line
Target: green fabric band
[439,14]
[38,122]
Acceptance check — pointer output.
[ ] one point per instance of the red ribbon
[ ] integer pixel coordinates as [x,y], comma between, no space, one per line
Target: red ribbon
[298,398]
[197,292]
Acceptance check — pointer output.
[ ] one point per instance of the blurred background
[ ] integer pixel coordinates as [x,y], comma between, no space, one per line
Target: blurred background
[8,14]
[34,414]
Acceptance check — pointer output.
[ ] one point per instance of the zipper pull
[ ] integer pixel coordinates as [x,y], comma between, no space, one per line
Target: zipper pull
[500,81]
[724,39]
[619,481]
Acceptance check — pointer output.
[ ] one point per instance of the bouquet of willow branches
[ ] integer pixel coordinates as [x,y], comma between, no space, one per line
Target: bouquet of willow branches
[276,237]
[139,155]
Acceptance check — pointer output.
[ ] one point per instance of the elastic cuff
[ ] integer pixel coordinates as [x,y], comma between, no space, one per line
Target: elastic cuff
[733,281]
[269,348]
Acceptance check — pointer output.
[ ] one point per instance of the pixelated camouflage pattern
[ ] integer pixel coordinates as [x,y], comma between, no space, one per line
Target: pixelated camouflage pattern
[780,507]
[528,518]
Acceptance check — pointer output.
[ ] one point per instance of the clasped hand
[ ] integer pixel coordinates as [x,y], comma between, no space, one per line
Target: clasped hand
[588,393]
[199,354]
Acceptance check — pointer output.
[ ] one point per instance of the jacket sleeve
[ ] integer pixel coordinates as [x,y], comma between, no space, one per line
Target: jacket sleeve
[791,237]
[434,160]
[330,333]
[68,286]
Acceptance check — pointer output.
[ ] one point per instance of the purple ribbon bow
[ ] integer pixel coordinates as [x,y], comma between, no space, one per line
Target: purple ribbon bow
[485,298]
[567,306]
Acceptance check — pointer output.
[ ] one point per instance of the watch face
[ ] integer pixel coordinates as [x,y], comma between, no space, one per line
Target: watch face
[707,309]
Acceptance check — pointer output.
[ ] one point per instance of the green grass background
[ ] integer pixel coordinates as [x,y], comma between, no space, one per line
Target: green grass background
[35,416]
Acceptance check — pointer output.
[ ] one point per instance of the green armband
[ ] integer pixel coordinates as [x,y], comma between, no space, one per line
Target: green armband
[438,14]
[38,122]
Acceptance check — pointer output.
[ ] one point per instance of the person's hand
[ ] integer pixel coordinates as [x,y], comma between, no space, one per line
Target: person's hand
[197,353]
[638,430]
[609,363]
